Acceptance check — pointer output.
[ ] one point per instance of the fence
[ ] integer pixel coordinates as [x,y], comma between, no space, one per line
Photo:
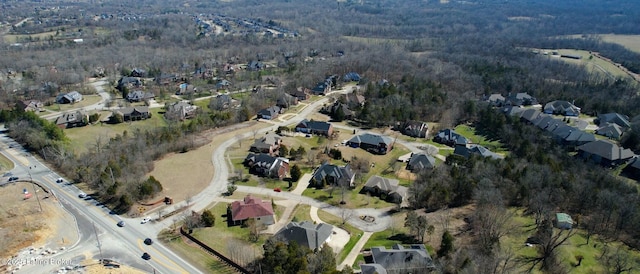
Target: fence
[216,254]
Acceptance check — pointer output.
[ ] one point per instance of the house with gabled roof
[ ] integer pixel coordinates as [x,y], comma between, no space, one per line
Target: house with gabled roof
[269,144]
[286,100]
[414,129]
[399,259]
[604,153]
[128,82]
[252,208]
[266,165]
[560,107]
[377,144]
[632,170]
[420,161]
[385,188]
[529,115]
[306,234]
[134,113]
[301,93]
[180,111]
[467,150]
[328,174]
[69,98]
[77,118]
[613,118]
[139,96]
[520,99]
[496,99]
[223,84]
[610,130]
[269,113]
[450,137]
[315,127]
[353,99]
[31,105]
[138,72]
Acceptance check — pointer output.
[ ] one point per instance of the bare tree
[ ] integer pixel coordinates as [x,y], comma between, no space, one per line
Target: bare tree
[345,214]
[546,257]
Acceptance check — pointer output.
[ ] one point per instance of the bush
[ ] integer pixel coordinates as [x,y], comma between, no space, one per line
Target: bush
[208,218]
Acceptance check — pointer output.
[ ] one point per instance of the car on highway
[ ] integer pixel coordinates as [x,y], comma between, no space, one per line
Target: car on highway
[59,180]
[146,256]
[277,189]
[121,223]
[145,220]
[82,195]
[13,178]
[148,241]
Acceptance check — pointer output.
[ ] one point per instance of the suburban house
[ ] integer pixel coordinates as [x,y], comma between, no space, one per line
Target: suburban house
[129,83]
[222,101]
[269,113]
[271,81]
[561,108]
[328,174]
[322,88]
[31,105]
[613,118]
[351,77]
[373,143]
[301,93]
[166,78]
[564,134]
[529,115]
[179,111]
[420,161]
[496,99]
[610,130]
[385,188]
[134,113]
[72,119]
[632,170]
[69,98]
[520,99]
[315,127]
[353,99]
[139,96]
[414,129]
[223,84]
[286,100]
[137,72]
[339,111]
[255,65]
[467,150]
[399,259]
[185,88]
[269,144]
[266,165]
[252,208]
[450,137]
[306,234]
[563,221]
[604,153]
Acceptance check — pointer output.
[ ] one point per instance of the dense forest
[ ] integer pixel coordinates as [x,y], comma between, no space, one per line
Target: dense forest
[438,59]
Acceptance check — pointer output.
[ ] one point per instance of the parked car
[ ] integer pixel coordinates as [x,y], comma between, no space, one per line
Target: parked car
[82,195]
[148,241]
[13,178]
[146,256]
[121,223]
[59,180]
[145,220]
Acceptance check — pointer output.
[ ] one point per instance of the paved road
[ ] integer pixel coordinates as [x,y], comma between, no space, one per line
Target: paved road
[122,244]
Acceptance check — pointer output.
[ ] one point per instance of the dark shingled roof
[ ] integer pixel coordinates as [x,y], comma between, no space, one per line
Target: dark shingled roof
[306,233]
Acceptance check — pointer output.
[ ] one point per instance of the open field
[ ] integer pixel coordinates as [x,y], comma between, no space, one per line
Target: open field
[593,64]
[85,137]
[631,42]
[5,164]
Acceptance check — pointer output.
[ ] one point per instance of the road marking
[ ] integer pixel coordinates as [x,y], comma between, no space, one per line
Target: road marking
[179,269]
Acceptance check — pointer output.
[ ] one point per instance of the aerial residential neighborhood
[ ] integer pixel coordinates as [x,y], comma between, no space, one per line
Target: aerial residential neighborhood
[330,137]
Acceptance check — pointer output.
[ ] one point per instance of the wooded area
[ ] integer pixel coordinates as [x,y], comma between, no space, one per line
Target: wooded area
[436,59]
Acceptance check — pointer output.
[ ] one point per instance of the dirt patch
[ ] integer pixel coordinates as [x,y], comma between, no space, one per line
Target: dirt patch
[91,267]
[451,219]
[406,174]
[184,175]
[23,224]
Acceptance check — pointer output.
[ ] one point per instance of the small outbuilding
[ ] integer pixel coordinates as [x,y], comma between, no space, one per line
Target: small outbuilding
[563,221]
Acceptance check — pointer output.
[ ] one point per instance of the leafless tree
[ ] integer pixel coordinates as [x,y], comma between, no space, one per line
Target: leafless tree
[345,214]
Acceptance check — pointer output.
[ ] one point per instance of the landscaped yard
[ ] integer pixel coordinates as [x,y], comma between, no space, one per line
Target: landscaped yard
[354,233]
[87,100]
[470,134]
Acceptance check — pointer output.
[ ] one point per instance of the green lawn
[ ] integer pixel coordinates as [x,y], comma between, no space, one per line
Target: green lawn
[197,257]
[470,133]
[5,164]
[85,137]
[301,213]
[87,100]
[352,198]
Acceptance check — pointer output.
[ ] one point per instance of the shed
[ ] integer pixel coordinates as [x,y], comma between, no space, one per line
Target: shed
[564,221]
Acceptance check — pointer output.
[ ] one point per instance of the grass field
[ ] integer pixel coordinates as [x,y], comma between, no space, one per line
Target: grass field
[197,257]
[5,164]
[631,42]
[85,137]
[470,133]
[593,64]
[87,100]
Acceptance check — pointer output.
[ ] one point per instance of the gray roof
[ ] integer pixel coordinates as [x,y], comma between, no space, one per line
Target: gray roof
[341,174]
[616,118]
[530,114]
[561,107]
[71,117]
[306,233]
[267,141]
[419,161]
[610,130]
[606,150]
[412,259]
[315,125]
[131,110]
[270,111]
[451,135]
[382,183]
[466,151]
[371,139]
